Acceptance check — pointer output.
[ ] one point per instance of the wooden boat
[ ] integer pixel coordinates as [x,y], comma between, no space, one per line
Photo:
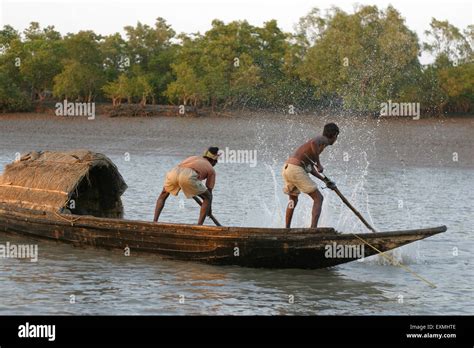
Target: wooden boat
[250,247]
[41,208]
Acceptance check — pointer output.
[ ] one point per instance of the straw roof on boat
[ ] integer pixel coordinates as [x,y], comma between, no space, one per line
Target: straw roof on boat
[84,182]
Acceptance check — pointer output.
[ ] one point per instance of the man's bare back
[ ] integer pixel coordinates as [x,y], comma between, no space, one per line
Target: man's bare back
[309,152]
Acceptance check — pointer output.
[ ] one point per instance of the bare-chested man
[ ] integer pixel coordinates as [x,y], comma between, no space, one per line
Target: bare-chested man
[188,177]
[296,173]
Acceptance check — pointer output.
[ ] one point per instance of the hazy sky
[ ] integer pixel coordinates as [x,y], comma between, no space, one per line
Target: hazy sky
[106,16]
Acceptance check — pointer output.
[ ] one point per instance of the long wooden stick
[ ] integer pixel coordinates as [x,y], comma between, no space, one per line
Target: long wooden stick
[346,202]
[210,215]
[344,199]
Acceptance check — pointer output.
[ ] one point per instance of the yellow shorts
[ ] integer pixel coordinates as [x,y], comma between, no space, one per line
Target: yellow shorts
[297,180]
[184,179]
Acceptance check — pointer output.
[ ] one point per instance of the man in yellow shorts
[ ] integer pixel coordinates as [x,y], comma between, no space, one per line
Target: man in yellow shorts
[298,167]
[188,177]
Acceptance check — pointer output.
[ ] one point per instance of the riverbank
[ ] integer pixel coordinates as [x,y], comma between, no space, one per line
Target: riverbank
[137,110]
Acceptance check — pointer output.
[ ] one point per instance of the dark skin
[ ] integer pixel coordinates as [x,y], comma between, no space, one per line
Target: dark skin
[206,207]
[308,154]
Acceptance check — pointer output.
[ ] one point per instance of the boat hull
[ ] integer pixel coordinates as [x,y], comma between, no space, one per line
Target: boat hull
[248,247]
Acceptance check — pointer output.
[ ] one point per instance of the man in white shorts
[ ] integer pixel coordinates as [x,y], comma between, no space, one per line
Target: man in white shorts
[188,177]
[298,167]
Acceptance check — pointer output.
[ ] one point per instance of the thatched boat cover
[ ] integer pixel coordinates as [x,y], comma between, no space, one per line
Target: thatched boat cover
[80,181]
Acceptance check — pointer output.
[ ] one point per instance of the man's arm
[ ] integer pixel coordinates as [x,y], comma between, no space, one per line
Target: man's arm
[315,173]
[210,182]
[329,184]
[315,149]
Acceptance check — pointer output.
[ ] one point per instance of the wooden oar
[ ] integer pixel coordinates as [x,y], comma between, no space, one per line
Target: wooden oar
[346,202]
[210,215]
[344,199]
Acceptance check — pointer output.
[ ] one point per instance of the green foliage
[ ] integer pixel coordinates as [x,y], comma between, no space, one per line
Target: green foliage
[128,88]
[152,50]
[446,41]
[141,88]
[118,89]
[354,61]
[41,54]
[362,59]
[116,60]
[453,70]
[187,88]
[77,81]
[457,83]
[11,96]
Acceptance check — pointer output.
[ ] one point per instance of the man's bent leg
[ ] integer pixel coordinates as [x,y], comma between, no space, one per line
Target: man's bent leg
[205,207]
[290,209]
[317,205]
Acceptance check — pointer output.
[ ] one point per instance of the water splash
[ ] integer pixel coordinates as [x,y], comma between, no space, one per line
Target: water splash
[274,213]
[334,213]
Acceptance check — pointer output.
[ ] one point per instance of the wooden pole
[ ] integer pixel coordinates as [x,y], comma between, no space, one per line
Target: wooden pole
[346,202]
[210,215]
[344,199]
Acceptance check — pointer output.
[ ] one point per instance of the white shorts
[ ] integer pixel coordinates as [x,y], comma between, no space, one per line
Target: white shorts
[184,179]
[297,180]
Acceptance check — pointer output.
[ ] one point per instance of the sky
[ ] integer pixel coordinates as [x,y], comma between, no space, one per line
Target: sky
[107,16]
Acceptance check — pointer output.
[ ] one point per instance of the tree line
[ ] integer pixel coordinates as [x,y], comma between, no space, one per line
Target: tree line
[349,61]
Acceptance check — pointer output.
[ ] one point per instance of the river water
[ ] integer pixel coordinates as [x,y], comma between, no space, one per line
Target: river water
[400,173]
